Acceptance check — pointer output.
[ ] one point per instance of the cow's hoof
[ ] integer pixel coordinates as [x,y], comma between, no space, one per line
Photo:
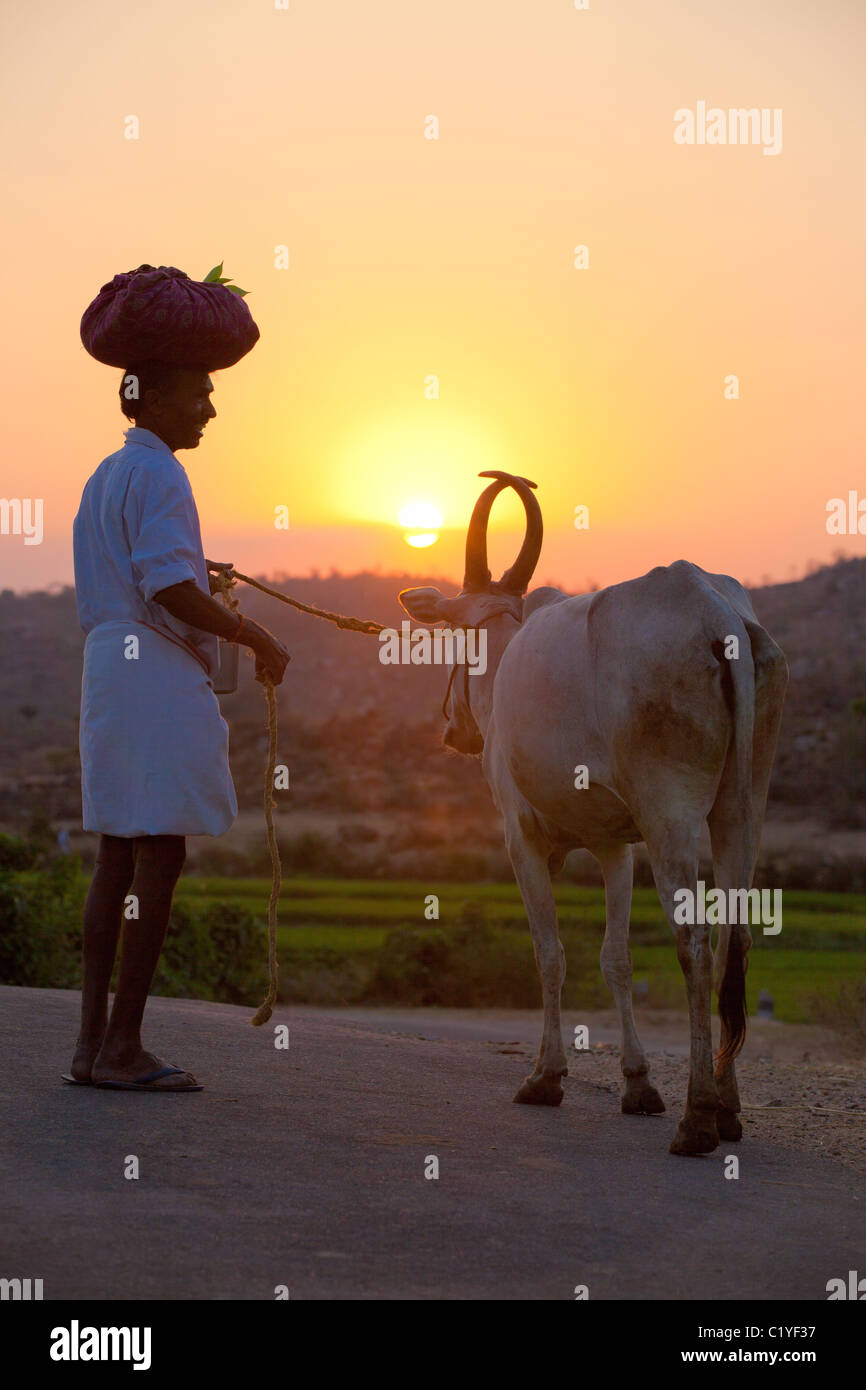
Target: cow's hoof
[540,1090]
[728,1125]
[640,1098]
[695,1136]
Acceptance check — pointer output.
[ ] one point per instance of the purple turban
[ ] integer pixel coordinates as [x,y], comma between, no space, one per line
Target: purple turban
[160,314]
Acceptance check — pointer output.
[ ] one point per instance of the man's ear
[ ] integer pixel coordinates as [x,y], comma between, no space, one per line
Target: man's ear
[426,605]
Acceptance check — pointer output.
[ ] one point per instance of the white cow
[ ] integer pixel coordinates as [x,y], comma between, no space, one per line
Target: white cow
[632,683]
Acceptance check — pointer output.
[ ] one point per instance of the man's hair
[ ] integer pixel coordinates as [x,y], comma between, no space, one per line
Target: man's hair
[147,376]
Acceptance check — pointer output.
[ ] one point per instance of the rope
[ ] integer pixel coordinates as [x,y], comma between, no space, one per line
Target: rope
[224,582]
[224,585]
[266,1007]
[348,624]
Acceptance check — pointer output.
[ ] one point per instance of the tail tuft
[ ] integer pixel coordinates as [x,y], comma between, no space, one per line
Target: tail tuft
[732,1003]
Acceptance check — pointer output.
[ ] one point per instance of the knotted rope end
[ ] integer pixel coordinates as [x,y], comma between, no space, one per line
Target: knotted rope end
[263,1013]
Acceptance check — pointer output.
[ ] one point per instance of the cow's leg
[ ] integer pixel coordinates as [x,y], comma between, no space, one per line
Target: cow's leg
[733,865]
[726,836]
[544,1086]
[640,1097]
[674,860]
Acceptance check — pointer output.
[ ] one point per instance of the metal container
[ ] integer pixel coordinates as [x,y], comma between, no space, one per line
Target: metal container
[225,682]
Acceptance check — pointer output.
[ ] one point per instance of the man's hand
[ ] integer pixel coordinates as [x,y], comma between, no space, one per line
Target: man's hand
[271,656]
[216,568]
[186,602]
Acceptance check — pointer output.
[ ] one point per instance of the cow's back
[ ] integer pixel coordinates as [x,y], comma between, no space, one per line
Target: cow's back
[627,682]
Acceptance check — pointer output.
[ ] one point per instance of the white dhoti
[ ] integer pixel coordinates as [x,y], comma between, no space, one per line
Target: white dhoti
[153,743]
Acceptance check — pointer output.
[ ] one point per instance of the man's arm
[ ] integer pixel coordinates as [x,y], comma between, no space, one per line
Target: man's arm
[187,603]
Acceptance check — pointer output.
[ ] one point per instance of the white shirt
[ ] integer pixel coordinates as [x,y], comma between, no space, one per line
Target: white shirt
[137,531]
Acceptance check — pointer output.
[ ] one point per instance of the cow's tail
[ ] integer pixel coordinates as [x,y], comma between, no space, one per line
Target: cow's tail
[732,989]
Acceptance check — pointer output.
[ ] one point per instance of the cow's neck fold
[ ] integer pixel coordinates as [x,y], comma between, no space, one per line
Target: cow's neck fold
[500,630]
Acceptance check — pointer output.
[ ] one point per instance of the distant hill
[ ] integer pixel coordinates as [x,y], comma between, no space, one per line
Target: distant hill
[362,737]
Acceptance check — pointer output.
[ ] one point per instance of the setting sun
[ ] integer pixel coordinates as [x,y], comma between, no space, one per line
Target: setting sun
[422,520]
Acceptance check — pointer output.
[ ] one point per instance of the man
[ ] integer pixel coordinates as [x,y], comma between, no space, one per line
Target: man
[154,746]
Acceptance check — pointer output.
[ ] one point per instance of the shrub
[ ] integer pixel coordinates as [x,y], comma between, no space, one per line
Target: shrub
[16,853]
[412,966]
[218,952]
[474,963]
[40,925]
[848,805]
[322,977]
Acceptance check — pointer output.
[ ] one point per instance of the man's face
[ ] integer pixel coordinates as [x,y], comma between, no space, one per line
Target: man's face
[179,416]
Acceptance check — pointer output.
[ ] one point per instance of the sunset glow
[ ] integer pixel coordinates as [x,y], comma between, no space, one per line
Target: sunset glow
[420,514]
[422,520]
[430,319]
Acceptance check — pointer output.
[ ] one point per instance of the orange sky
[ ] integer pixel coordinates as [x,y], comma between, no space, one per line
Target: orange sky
[454,257]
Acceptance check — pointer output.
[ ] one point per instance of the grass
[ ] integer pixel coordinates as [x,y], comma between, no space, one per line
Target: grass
[330,902]
[793,978]
[335,930]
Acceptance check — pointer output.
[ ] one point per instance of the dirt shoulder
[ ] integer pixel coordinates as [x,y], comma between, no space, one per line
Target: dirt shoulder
[800,1086]
[797,1085]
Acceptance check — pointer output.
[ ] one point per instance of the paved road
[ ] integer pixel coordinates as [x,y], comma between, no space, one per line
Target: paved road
[504,1026]
[306,1168]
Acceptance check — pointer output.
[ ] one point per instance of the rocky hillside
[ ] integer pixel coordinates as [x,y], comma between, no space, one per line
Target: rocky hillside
[360,737]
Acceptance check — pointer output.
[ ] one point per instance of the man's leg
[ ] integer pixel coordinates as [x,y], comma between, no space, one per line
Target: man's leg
[112,876]
[158,863]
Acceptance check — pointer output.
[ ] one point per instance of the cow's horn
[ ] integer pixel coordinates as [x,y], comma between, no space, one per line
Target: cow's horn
[516,579]
[476,577]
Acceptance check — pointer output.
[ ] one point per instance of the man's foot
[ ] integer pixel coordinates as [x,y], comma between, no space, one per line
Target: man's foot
[144,1071]
[86,1052]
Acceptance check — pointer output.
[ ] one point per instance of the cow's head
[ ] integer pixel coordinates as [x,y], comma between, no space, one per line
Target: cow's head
[481,599]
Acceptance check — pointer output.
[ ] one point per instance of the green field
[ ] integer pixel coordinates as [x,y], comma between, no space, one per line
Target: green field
[332,933]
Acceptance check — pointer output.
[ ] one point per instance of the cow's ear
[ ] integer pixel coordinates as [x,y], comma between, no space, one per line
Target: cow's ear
[425,605]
